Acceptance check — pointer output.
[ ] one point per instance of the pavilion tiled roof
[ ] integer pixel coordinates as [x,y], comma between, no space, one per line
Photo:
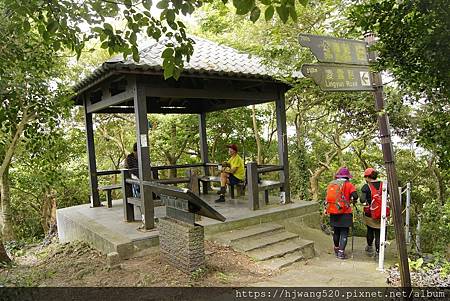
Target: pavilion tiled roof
[208,58]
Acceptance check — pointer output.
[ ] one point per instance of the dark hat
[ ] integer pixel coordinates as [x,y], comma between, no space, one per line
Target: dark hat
[233,146]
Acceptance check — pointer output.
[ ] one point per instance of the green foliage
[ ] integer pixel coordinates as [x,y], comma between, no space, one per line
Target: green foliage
[413,44]
[435,227]
[416,264]
[413,40]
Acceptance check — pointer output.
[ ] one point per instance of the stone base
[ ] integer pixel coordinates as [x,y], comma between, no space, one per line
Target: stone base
[181,244]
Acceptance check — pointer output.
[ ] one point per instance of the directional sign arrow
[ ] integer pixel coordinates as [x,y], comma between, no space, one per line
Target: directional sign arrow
[365,80]
[331,77]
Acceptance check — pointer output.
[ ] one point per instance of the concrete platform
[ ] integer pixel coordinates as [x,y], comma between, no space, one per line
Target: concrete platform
[105,228]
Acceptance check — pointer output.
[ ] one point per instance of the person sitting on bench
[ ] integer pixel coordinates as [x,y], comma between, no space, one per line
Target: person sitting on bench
[132,165]
[232,172]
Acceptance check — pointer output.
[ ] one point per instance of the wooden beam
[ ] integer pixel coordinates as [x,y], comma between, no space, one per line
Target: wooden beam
[111,101]
[229,94]
[233,104]
[117,110]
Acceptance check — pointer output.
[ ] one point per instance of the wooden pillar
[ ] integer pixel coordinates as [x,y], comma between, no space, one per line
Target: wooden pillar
[252,182]
[203,141]
[389,163]
[128,209]
[92,164]
[282,143]
[140,110]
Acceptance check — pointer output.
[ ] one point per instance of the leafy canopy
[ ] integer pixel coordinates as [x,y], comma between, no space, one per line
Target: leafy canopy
[62,24]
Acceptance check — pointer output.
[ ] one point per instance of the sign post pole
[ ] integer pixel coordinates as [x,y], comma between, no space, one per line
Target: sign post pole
[389,162]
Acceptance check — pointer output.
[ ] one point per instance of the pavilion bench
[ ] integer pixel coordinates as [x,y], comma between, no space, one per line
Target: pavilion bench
[109,189]
[212,179]
[266,185]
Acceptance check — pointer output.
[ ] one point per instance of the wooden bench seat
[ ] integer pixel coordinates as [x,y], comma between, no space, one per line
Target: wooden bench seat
[173,180]
[205,179]
[109,189]
[267,185]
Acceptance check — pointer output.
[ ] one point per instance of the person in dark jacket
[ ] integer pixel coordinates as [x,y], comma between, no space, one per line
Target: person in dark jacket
[373,225]
[342,221]
[132,165]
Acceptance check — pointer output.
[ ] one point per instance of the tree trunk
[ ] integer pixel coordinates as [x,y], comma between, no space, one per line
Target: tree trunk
[303,177]
[314,183]
[4,258]
[48,212]
[337,141]
[314,180]
[257,138]
[440,189]
[7,232]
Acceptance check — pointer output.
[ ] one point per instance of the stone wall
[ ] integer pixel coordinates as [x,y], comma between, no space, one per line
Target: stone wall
[181,244]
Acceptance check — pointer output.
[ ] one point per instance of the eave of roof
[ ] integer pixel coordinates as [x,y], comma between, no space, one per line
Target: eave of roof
[209,59]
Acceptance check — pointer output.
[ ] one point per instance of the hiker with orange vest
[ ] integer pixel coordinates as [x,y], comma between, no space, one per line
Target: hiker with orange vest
[371,198]
[340,196]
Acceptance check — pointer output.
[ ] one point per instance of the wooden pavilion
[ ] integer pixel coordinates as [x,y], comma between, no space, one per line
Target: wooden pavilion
[216,78]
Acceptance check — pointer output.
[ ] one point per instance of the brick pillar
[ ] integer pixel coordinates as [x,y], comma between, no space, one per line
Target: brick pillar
[181,244]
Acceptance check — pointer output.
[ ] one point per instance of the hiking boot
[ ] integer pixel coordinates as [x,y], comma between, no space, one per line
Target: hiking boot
[336,250]
[222,190]
[369,249]
[221,199]
[341,254]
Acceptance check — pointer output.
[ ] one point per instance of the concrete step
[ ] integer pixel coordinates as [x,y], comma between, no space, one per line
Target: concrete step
[281,262]
[283,248]
[229,237]
[262,240]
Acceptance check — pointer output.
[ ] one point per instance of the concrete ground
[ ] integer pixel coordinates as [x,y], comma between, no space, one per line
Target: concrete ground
[107,231]
[326,271]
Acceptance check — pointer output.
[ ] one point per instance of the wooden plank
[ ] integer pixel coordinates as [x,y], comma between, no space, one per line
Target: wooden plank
[266,184]
[110,187]
[229,94]
[173,180]
[111,101]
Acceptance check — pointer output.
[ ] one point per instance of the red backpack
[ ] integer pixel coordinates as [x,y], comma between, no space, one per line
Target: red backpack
[375,205]
[335,199]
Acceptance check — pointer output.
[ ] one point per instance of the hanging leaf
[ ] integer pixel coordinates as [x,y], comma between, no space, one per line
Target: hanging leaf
[283,13]
[167,53]
[293,14]
[254,15]
[147,4]
[268,14]
[243,7]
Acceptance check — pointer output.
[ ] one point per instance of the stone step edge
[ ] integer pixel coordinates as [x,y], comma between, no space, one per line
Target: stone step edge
[303,244]
[282,262]
[217,237]
[235,244]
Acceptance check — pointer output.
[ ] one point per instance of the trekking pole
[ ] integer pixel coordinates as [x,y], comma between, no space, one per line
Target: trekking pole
[353,227]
